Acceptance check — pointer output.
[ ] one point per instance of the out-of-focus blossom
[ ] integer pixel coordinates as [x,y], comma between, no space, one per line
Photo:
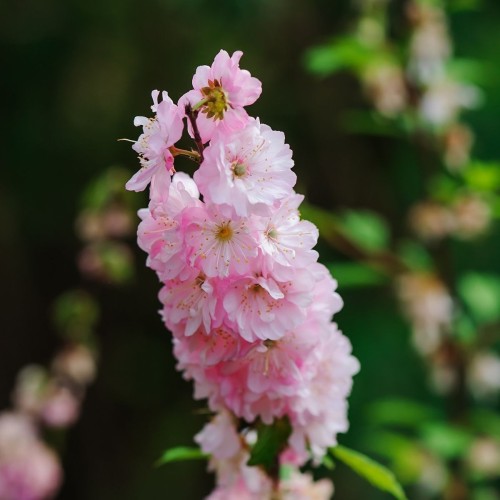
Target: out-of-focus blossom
[430,45]
[457,143]
[385,85]
[61,407]
[483,375]
[443,101]
[428,305]
[29,389]
[472,216]
[431,220]
[76,362]
[29,470]
[483,457]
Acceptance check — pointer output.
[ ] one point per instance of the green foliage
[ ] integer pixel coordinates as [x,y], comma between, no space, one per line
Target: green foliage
[445,440]
[271,440]
[353,275]
[481,295]
[483,176]
[401,412]
[75,314]
[378,475]
[179,454]
[367,229]
[106,187]
[415,255]
[343,53]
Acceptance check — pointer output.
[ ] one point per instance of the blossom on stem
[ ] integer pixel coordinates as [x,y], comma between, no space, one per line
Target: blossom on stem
[221,92]
[249,169]
[159,133]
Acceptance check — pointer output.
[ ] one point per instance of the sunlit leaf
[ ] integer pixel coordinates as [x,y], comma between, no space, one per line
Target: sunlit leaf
[181,453]
[481,294]
[367,229]
[375,473]
[343,53]
[483,176]
[445,440]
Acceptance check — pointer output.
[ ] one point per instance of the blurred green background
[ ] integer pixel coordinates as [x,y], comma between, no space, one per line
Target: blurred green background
[74,74]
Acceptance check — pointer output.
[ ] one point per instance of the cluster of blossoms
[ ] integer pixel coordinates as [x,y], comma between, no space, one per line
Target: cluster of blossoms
[248,304]
[29,469]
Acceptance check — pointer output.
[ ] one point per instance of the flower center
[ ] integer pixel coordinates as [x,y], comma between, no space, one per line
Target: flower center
[224,231]
[269,343]
[216,100]
[239,170]
[271,233]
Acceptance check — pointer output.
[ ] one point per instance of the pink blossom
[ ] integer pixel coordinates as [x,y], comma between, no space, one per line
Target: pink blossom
[191,301]
[219,437]
[221,344]
[159,233]
[159,133]
[285,239]
[220,243]
[224,89]
[263,308]
[249,169]
[61,408]
[320,411]
[29,470]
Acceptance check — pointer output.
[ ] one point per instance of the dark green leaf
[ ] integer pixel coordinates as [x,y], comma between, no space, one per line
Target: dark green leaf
[271,440]
[378,475]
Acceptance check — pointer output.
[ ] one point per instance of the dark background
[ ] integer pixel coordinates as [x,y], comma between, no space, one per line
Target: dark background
[74,74]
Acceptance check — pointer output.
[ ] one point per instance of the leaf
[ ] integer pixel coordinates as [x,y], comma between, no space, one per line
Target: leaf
[375,473]
[179,454]
[347,52]
[445,440]
[351,275]
[481,294]
[415,256]
[367,229]
[400,412]
[271,440]
[483,176]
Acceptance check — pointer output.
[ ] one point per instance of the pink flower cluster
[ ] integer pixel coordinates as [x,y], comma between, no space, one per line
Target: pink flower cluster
[248,304]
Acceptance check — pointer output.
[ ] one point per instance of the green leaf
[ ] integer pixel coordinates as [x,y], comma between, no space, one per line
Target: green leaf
[483,176]
[367,229]
[400,412]
[271,440]
[350,275]
[179,454]
[486,422]
[415,256]
[343,53]
[375,473]
[481,294]
[323,219]
[444,440]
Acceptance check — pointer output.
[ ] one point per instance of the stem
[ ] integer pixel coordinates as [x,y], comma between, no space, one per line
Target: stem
[192,155]
[191,116]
